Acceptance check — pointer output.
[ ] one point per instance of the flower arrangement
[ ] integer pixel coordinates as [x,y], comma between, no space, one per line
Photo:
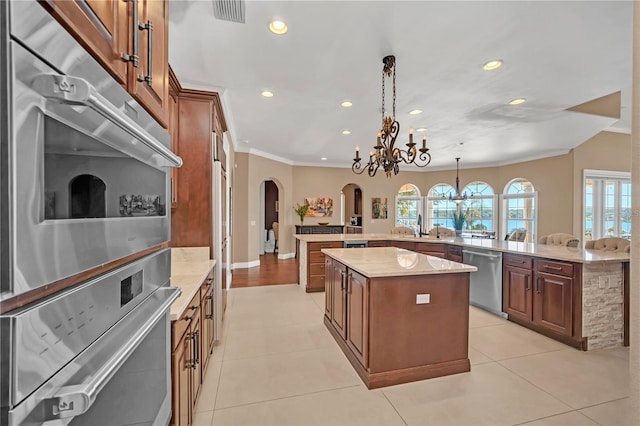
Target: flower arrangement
[301,210]
[459,219]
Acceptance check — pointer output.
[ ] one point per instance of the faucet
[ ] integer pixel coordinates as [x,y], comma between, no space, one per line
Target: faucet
[437,231]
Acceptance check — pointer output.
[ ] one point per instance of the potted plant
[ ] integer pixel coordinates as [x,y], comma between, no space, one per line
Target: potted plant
[459,219]
[301,210]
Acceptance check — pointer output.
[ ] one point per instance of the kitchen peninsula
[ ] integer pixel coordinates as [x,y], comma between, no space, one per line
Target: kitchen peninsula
[576,296]
[398,316]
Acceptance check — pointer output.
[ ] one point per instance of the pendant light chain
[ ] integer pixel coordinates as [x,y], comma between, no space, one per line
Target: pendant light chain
[394,91]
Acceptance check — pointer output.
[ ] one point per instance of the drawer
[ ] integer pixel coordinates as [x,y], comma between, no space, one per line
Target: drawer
[430,247]
[179,327]
[454,250]
[553,267]
[455,258]
[207,286]
[316,257]
[316,269]
[316,282]
[432,253]
[377,244]
[327,244]
[518,261]
[407,245]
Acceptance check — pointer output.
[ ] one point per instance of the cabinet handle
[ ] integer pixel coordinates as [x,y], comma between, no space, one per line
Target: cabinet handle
[195,311]
[349,276]
[196,348]
[527,285]
[149,28]
[342,279]
[538,291]
[133,58]
[210,314]
[555,268]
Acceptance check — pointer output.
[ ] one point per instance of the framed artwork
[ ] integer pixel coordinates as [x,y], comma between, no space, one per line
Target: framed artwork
[379,208]
[319,207]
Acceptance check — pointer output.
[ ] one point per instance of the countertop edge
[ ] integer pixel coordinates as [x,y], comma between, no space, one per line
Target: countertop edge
[188,290]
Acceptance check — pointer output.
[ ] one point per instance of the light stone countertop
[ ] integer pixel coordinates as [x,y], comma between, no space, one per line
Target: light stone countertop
[376,262]
[570,254]
[189,269]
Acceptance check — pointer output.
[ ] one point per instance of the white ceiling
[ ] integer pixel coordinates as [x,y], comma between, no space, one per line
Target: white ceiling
[556,55]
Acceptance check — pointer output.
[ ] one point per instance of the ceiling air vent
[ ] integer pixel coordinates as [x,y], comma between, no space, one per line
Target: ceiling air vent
[229,10]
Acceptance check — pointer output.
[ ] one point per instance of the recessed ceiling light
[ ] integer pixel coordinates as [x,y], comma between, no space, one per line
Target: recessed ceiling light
[518,101]
[492,65]
[346,104]
[346,132]
[278,26]
[421,129]
[324,158]
[415,112]
[267,94]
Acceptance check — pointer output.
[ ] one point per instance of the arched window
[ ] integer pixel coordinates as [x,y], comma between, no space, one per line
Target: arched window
[439,209]
[408,205]
[481,207]
[520,208]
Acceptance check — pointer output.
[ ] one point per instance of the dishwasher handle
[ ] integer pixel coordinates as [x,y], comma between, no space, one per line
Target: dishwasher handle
[475,253]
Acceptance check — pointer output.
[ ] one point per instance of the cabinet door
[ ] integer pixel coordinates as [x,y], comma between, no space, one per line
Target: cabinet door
[358,316]
[149,82]
[101,26]
[196,344]
[207,328]
[338,297]
[517,293]
[181,382]
[552,304]
[328,286]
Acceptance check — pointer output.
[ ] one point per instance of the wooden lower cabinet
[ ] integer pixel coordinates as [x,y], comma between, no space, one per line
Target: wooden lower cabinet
[316,264]
[431,249]
[357,310]
[192,344]
[337,276]
[542,300]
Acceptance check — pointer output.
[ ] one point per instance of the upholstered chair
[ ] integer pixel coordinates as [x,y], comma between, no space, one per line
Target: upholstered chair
[560,239]
[516,235]
[442,232]
[609,244]
[275,228]
[402,230]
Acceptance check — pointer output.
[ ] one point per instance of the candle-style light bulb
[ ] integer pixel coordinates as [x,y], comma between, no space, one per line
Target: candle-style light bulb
[424,140]
[410,134]
[357,152]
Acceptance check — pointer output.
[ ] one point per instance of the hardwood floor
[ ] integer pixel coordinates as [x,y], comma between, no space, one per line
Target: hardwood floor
[271,271]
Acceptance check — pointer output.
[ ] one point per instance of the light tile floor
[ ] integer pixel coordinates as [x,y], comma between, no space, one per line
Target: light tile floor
[276,364]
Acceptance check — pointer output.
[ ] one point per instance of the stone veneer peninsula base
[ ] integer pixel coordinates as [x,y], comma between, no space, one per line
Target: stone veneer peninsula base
[382,323]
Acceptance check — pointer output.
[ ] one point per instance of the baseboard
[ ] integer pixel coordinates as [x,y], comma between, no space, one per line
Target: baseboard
[244,265]
[286,255]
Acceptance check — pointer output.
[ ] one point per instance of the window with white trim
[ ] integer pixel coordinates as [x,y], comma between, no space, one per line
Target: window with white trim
[439,209]
[607,204]
[480,207]
[520,209]
[408,205]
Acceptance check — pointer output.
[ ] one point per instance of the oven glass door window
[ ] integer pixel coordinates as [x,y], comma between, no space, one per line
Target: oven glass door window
[85,178]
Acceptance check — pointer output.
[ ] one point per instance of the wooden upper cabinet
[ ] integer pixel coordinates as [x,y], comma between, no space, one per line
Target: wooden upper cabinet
[149,82]
[101,26]
[107,30]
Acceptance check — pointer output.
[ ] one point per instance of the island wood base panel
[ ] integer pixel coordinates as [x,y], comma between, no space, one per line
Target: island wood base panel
[396,377]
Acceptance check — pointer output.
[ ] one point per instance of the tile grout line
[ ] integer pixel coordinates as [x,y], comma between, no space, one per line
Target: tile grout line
[553,415]
[286,397]
[394,407]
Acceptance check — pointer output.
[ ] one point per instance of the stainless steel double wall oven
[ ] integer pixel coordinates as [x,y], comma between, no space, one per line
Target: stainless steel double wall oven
[84,181]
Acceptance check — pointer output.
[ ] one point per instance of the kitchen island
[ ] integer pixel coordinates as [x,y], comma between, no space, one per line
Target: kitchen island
[399,316]
[577,296]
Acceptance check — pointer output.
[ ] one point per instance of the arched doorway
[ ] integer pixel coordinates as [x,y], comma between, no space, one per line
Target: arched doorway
[87,198]
[269,219]
[352,205]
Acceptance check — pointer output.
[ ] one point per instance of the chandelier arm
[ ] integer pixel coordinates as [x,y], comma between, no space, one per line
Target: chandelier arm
[356,167]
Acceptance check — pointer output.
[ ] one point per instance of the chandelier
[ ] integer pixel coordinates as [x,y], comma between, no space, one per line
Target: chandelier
[384,154]
[457,198]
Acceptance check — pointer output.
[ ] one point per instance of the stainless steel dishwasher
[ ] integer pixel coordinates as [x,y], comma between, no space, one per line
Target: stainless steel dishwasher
[485,284]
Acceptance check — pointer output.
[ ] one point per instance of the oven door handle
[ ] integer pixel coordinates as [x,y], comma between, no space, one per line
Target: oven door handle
[74,400]
[78,91]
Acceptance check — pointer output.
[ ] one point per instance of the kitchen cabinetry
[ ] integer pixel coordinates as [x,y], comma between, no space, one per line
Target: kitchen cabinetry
[129,39]
[174,89]
[353,229]
[335,298]
[319,229]
[431,249]
[192,345]
[453,253]
[357,302]
[407,245]
[541,294]
[316,265]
